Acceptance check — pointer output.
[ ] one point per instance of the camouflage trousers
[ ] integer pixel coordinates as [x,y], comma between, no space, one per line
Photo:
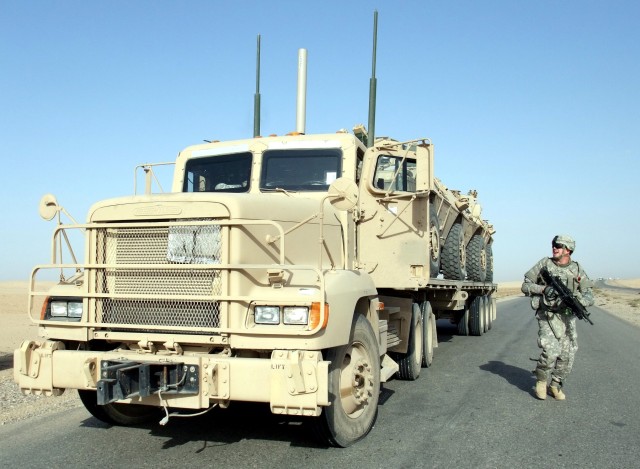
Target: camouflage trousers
[558,339]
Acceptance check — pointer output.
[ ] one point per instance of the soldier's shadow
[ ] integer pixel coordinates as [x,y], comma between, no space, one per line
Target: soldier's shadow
[518,377]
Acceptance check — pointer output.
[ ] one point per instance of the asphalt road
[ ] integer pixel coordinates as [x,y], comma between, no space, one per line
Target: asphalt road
[473,408]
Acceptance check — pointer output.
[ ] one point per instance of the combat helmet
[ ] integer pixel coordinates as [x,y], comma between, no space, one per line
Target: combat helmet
[566,240]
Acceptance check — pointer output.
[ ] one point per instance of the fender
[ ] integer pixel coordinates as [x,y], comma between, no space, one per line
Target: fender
[348,292]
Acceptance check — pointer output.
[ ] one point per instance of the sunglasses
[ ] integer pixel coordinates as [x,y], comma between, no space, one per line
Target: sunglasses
[559,246]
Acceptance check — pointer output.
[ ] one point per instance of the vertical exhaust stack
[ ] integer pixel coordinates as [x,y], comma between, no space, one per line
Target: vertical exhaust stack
[256,97]
[301,102]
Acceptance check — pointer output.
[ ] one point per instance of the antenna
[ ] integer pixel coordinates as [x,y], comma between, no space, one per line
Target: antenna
[256,96]
[301,108]
[372,85]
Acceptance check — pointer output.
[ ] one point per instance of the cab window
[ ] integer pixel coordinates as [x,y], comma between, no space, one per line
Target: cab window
[300,169]
[221,173]
[394,174]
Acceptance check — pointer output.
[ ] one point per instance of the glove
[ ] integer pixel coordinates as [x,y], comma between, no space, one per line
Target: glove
[550,294]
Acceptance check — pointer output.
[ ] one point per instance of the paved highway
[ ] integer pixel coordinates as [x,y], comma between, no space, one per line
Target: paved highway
[473,408]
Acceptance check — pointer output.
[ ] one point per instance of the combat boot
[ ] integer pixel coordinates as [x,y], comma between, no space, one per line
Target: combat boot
[541,390]
[556,391]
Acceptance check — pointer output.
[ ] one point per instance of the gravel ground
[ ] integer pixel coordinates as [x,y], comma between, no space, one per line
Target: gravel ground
[14,406]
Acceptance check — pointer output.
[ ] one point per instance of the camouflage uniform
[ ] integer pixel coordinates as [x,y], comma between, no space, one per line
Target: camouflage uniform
[557,334]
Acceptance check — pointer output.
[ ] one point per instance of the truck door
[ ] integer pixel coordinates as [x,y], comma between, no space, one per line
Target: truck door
[394,223]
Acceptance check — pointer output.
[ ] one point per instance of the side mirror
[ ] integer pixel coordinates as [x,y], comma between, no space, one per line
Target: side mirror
[48,207]
[343,194]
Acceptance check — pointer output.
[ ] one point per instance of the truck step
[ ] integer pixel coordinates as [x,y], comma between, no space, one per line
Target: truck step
[388,369]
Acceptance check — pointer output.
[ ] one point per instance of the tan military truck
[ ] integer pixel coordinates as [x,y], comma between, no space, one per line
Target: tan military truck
[300,271]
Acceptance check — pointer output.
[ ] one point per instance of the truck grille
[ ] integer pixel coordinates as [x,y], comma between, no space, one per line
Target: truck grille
[145,290]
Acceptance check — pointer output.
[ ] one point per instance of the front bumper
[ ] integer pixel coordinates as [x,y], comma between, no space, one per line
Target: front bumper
[293,382]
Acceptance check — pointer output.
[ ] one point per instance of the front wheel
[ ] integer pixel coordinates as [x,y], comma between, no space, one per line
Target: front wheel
[354,387]
[118,414]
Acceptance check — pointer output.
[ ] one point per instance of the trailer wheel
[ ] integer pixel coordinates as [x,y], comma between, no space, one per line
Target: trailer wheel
[411,362]
[354,387]
[477,258]
[434,245]
[118,414]
[454,254]
[476,317]
[463,324]
[486,308]
[494,308]
[427,340]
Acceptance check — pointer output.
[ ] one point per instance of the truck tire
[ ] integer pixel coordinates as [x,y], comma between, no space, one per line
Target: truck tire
[427,335]
[489,276]
[354,387]
[463,324]
[454,254]
[435,249]
[494,308]
[118,414]
[411,362]
[487,313]
[477,258]
[476,317]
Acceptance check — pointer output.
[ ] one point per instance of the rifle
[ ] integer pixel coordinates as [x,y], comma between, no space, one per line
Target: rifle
[565,295]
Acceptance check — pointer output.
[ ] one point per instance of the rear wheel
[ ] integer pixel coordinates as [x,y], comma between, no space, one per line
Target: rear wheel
[463,324]
[354,387]
[494,308]
[486,308]
[428,329]
[411,362]
[454,254]
[476,317]
[118,414]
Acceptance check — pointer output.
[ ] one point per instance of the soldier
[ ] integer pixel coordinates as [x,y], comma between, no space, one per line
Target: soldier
[557,335]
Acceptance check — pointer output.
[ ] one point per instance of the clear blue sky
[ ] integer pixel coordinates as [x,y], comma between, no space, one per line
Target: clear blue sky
[536,104]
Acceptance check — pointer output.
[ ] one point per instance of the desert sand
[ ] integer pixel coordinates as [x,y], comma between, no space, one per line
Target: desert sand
[15,327]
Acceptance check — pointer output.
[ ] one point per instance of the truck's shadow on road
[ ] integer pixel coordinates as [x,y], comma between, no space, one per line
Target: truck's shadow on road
[219,427]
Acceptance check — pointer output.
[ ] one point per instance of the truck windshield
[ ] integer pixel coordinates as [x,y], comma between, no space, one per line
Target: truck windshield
[222,173]
[393,174]
[300,169]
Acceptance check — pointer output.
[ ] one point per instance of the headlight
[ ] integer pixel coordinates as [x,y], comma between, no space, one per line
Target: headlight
[74,309]
[267,315]
[65,309]
[296,315]
[289,315]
